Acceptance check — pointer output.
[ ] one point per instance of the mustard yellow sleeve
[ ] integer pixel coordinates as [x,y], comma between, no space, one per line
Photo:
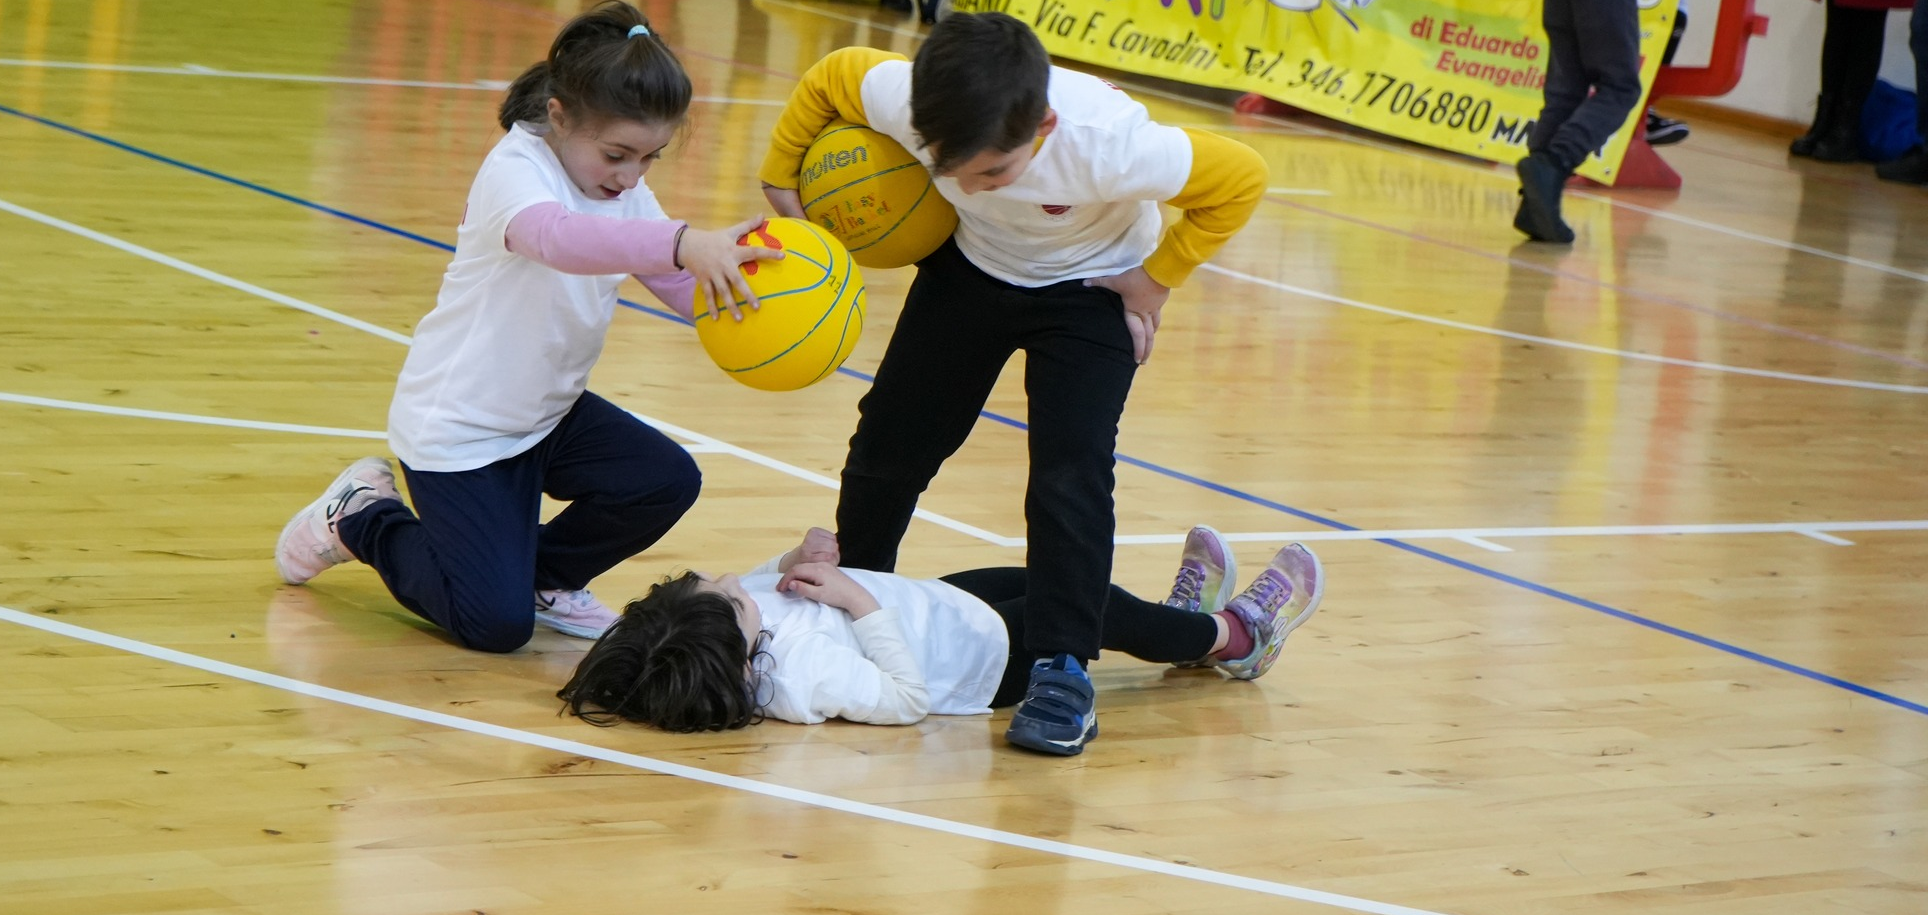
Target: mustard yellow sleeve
[830,90]
[1228,179]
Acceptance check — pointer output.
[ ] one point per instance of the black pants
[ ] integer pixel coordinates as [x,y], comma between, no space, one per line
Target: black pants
[958,328]
[1137,627]
[472,555]
[1673,38]
[1592,77]
[1918,43]
[1851,45]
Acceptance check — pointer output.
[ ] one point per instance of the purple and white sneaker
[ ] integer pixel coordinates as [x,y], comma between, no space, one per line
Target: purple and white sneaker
[1207,572]
[1280,600]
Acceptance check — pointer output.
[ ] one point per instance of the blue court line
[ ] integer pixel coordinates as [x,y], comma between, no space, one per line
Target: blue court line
[1179,475]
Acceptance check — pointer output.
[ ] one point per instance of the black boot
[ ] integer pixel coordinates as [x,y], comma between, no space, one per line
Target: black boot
[1541,183]
[1823,119]
[1911,168]
[1841,141]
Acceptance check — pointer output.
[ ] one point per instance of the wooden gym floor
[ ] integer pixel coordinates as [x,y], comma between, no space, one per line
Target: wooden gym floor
[1626,542]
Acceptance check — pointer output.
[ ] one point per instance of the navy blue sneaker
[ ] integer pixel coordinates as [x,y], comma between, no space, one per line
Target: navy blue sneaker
[1059,713]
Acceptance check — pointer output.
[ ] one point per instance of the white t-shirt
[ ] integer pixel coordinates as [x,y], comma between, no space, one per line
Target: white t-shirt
[508,348]
[818,668]
[1086,206]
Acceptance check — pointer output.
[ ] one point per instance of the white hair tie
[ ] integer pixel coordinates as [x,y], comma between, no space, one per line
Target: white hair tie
[636,30]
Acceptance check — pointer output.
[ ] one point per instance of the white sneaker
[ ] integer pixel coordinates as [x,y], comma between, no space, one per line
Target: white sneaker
[576,613]
[309,543]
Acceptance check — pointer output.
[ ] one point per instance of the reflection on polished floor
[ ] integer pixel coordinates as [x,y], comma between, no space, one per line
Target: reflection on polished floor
[1627,611]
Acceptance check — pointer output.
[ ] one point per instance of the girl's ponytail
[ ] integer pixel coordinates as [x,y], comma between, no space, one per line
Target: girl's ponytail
[606,63]
[528,98]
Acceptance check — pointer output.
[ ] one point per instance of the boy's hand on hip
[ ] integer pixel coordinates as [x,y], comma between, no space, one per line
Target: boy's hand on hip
[1144,300]
[785,200]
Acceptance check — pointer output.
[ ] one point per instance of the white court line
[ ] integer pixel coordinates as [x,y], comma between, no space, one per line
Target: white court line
[703,444]
[1500,172]
[387,334]
[1816,529]
[202,272]
[941,520]
[1568,344]
[704,776]
[31,400]
[710,447]
[1490,169]
[716,445]
[1792,246]
[1484,544]
[707,443]
[484,85]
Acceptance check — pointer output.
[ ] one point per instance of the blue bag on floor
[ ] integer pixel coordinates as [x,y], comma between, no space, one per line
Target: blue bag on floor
[1888,126]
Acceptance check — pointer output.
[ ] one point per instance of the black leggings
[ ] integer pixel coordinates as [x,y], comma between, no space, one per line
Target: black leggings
[1851,53]
[1137,627]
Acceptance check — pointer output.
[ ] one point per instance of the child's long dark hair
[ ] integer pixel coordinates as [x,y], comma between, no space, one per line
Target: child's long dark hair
[599,71]
[675,660]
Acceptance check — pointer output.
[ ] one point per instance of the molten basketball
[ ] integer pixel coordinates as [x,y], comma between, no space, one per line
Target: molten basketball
[872,194]
[811,311]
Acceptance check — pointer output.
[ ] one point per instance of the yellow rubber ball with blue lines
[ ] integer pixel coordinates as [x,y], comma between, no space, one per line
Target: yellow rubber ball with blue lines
[811,314]
[875,196]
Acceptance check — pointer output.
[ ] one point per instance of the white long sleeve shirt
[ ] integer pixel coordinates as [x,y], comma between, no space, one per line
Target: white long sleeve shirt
[932,649]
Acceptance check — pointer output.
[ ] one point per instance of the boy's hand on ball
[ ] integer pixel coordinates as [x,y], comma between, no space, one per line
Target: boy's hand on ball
[1144,301]
[785,200]
[715,259]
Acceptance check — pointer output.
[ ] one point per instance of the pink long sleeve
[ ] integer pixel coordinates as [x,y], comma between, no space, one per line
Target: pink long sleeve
[677,290]
[576,243]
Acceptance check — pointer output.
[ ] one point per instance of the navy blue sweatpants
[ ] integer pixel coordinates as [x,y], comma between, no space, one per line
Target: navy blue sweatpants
[472,554]
[1592,77]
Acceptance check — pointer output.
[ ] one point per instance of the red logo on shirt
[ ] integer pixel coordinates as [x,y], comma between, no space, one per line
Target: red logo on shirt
[762,232]
[1055,209]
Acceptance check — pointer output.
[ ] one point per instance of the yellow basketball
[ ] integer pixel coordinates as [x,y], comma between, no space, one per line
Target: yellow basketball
[812,311]
[873,195]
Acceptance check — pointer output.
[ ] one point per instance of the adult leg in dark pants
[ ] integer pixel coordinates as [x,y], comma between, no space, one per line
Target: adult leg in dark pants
[1912,167]
[1138,627]
[1851,41]
[472,555]
[1592,84]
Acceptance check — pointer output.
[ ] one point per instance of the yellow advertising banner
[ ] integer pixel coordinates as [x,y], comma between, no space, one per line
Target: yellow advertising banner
[1461,75]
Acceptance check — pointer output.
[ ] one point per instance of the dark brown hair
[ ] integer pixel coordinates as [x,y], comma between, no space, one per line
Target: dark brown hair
[980,82]
[674,660]
[599,72]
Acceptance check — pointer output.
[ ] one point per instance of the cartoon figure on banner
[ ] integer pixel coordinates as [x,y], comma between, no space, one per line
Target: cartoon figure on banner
[1218,7]
[1307,6]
